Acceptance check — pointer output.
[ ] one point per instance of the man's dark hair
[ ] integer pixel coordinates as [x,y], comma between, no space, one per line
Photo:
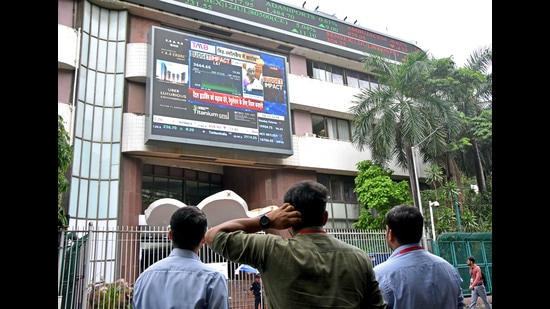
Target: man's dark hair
[406,222]
[310,199]
[188,225]
[471,258]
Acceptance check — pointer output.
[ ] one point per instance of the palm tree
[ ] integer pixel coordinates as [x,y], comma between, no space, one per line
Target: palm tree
[434,175]
[406,109]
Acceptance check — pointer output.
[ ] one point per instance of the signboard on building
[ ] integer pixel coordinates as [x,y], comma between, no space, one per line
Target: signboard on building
[287,23]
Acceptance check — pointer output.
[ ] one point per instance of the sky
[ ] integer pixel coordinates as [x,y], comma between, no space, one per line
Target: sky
[443,28]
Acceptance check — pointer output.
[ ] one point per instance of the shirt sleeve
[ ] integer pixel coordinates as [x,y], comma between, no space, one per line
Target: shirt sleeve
[219,297]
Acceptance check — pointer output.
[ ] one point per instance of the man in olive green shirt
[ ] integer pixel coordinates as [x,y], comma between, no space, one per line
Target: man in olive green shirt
[311,269]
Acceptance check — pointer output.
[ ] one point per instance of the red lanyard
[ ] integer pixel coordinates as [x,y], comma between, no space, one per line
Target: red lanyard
[409,249]
[311,232]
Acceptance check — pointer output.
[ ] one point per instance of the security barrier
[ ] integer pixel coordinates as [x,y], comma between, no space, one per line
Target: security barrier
[97,268]
[456,247]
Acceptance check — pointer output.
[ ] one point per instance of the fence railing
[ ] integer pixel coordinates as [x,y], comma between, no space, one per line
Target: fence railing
[97,268]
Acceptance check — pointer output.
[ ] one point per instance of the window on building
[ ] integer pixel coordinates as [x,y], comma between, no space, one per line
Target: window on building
[331,128]
[188,186]
[326,72]
[338,75]
[342,206]
[359,79]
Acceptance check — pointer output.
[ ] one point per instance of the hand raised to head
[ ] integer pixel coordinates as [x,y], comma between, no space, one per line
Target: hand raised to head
[284,217]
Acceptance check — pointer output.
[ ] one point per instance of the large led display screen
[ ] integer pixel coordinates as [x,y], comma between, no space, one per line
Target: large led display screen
[204,92]
[291,24]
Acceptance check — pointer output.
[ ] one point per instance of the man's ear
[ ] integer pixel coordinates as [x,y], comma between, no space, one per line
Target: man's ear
[325,217]
[170,234]
[389,234]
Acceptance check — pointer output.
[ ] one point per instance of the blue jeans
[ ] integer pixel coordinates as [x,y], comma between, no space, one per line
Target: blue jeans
[479,290]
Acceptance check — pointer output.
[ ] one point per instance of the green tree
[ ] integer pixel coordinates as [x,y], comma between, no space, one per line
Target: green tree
[407,109]
[469,221]
[377,193]
[473,98]
[445,220]
[64,158]
[481,205]
[434,176]
[451,192]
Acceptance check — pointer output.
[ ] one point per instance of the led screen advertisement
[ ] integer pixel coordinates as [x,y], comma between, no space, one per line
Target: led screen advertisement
[204,92]
[289,23]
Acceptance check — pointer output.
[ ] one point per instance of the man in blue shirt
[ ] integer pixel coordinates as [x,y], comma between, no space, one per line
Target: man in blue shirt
[412,277]
[181,280]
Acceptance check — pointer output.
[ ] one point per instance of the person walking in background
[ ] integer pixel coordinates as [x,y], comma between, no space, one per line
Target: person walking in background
[256,290]
[476,284]
[412,277]
[308,269]
[181,280]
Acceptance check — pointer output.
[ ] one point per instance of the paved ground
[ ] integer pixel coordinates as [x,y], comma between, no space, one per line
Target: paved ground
[480,303]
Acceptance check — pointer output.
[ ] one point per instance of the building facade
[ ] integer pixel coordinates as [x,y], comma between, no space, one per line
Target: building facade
[139,79]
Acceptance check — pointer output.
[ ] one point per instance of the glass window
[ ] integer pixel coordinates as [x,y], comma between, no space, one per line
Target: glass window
[343,130]
[318,124]
[364,84]
[95,165]
[338,75]
[353,81]
[373,86]
[185,185]
[358,79]
[342,206]
[329,127]
[319,74]
[97,123]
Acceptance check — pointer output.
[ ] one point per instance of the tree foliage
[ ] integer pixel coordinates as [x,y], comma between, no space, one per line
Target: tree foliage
[445,113]
[377,193]
[410,108]
[475,212]
[64,157]
[407,107]
[471,148]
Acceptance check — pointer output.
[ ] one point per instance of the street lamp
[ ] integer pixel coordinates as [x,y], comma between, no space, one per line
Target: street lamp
[435,204]
[418,200]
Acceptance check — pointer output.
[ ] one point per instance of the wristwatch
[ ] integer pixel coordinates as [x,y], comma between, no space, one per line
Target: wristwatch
[264,221]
